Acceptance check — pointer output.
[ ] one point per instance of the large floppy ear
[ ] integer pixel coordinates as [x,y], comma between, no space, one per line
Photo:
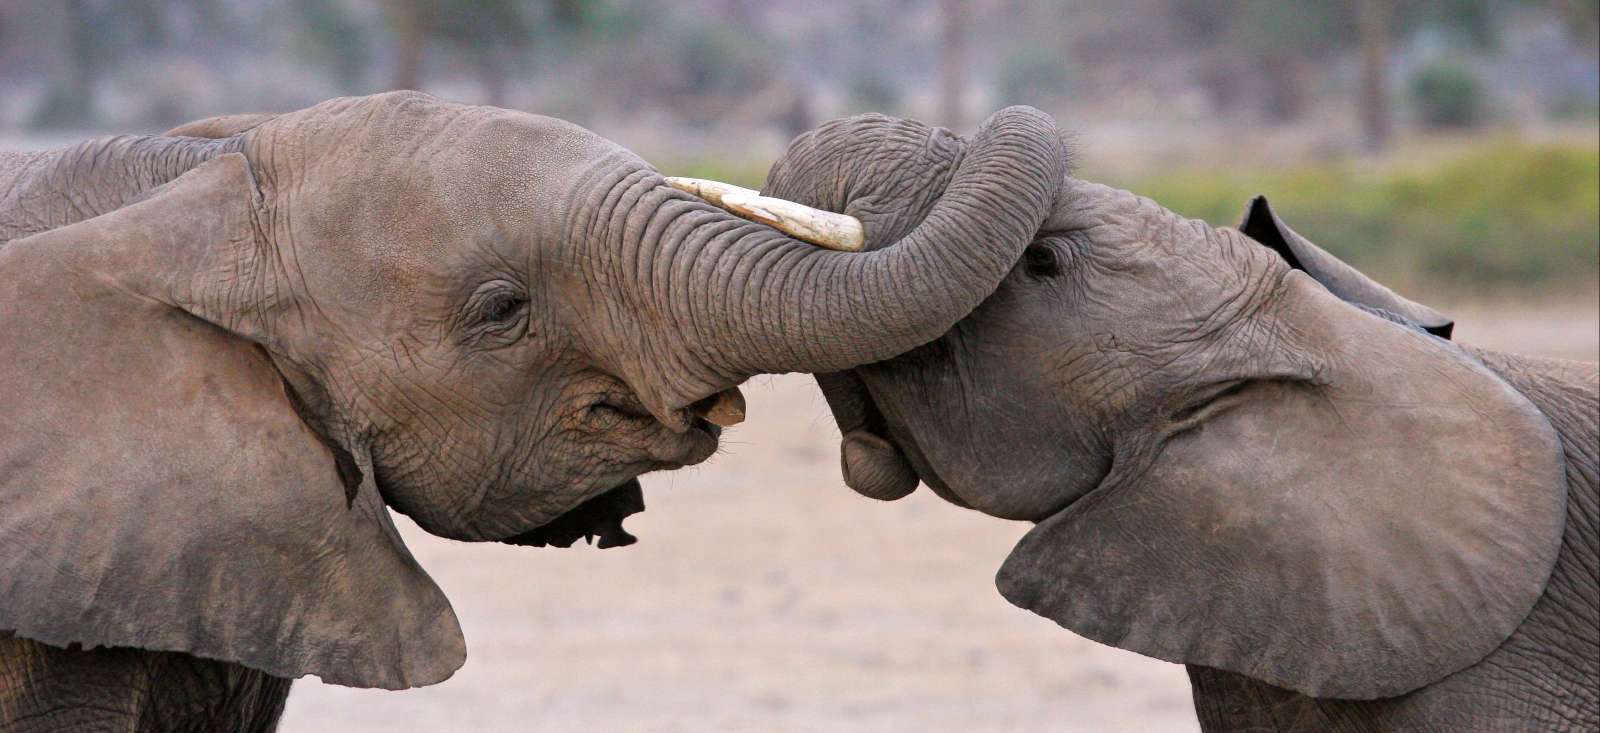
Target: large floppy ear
[1384,517]
[157,488]
[218,127]
[1264,226]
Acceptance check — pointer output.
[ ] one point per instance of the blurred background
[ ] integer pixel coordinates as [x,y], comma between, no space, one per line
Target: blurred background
[1449,148]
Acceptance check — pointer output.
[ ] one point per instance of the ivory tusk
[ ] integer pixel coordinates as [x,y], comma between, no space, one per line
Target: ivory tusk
[723,409]
[823,228]
[709,190]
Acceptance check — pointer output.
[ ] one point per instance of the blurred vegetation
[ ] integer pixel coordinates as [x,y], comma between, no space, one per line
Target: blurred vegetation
[1503,215]
[750,173]
[1032,75]
[870,88]
[1328,96]
[1499,215]
[82,63]
[1447,95]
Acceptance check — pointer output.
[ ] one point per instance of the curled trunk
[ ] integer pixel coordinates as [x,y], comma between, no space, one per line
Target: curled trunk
[741,299]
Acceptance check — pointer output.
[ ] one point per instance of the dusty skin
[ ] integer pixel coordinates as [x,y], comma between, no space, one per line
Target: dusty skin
[764,595]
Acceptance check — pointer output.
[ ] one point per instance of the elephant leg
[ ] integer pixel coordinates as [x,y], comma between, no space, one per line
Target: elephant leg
[46,688]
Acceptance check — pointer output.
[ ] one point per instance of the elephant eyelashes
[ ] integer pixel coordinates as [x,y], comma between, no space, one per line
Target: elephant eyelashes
[1040,260]
[501,308]
[494,312]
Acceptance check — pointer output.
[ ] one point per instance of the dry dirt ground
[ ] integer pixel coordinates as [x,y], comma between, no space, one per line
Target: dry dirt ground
[765,596]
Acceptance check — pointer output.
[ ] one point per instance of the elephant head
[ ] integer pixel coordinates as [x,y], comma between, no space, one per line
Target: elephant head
[490,321]
[1238,451]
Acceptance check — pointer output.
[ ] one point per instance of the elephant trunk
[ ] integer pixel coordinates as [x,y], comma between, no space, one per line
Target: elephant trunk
[46,190]
[738,299]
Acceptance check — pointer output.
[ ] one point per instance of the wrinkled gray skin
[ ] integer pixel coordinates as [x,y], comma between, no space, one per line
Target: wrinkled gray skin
[227,353]
[1244,456]
[45,688]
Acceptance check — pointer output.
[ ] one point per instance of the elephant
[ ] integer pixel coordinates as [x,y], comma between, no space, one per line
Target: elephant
[228,355]
[1240,454]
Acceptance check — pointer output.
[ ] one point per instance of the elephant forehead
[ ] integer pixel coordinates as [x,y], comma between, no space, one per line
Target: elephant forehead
[403,247]
[406,173]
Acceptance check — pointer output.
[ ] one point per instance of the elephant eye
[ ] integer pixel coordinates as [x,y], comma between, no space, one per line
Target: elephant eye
[500,308]
[496,314]
[1040,260]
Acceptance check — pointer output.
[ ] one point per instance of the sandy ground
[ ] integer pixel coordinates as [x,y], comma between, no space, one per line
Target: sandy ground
[765,596]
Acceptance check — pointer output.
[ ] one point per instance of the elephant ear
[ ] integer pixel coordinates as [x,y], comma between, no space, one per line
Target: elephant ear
[1264,226]
[1383,519]
[160,490]
[219,127]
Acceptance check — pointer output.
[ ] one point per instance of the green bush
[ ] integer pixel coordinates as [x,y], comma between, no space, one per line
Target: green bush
[1503,215]
[871,90]
[748,173]
[1573,105]
[62,108]
[1033,75]
[719,59]
[1447,95]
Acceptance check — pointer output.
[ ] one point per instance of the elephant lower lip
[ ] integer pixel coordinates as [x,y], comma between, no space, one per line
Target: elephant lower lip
[599,517]
[706,426]
[904,440]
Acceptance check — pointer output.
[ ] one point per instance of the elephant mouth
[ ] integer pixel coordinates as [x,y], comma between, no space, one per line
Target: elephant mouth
[687,439]
[899,453]
[691,438]
[599,517]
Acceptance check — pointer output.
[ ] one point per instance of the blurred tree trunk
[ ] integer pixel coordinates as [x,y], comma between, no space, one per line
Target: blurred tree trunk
[952,62]
[1582,18]
[69,101]
[410,23]
[150,22]
[1374,20]
[77,75]
[1222,77]
[1285,79]
[796,117]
